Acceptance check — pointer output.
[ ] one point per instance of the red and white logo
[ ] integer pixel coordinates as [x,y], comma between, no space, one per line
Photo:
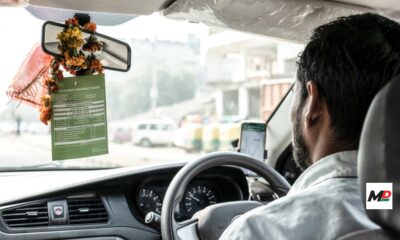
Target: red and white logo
[379,196]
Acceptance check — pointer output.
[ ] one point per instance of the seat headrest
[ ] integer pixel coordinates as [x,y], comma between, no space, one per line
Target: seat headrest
[379,152]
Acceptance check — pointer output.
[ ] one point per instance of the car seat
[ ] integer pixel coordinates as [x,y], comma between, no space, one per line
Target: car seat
[379,160]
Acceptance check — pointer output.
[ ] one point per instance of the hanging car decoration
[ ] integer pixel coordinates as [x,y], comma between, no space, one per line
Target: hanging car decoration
[26,86]
[64,79]
[79,58]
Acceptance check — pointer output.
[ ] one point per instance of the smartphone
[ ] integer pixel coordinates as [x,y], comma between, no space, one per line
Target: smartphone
[252,139]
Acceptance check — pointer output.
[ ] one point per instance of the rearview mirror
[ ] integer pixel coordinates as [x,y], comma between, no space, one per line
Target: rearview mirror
[115,55]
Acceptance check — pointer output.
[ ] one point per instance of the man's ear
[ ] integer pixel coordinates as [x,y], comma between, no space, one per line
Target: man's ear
[313,109]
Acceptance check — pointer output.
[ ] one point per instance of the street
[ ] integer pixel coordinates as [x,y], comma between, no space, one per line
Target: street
[32,149]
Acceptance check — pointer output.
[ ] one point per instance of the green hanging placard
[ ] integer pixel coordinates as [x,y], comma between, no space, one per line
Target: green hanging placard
[79,118]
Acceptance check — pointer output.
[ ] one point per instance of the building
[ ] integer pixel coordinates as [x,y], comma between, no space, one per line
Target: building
[249,74]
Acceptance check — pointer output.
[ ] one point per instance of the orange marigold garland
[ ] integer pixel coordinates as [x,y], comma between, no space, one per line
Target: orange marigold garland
[45,111]
[78,59]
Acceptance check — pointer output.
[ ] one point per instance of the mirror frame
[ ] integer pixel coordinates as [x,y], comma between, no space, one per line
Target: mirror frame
[95,34]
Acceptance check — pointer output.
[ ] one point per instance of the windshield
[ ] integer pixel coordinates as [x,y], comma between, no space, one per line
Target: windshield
[187,91]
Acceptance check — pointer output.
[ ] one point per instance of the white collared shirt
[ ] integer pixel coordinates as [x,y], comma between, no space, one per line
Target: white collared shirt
[324,203]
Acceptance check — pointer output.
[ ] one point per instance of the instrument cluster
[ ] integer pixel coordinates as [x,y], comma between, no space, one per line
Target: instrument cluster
[199,194]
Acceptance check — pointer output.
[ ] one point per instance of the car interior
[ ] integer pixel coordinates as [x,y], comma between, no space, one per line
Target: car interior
[161,201]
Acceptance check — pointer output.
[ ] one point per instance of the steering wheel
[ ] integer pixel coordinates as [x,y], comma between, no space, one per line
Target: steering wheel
[210,222]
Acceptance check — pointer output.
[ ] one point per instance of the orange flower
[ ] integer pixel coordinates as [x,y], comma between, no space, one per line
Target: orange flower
[76,61]
[72,21]
[45,115]
[90,26]
[96,65]
[47,81]
[45,110]
[92,46]
[46,100]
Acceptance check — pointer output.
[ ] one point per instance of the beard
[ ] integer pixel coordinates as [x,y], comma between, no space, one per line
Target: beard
[301,154]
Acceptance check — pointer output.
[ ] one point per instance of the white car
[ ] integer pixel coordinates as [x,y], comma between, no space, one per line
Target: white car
[154,133]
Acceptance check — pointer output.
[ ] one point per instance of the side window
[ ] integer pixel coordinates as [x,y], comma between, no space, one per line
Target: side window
[142,127]
[153,127]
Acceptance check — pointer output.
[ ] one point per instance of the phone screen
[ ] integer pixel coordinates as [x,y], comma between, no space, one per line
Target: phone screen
[252,139]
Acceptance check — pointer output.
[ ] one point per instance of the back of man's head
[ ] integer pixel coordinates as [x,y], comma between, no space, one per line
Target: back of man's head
[350,60]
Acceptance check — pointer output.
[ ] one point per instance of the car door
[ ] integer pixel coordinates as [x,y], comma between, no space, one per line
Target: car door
[166,133]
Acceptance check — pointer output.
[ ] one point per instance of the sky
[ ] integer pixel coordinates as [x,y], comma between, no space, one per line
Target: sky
[19,31]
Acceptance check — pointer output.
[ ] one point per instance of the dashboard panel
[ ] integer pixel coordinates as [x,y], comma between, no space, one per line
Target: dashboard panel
[118,199]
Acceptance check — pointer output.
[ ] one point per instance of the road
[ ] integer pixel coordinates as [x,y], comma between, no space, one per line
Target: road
[31,149]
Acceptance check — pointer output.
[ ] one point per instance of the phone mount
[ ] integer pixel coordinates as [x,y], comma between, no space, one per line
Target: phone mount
[265,153]
[235,144]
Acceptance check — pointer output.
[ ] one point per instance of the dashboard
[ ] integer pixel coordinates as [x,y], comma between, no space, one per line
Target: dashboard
[105,204]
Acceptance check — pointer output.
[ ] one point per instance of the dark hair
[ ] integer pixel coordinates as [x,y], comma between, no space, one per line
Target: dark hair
[350,60]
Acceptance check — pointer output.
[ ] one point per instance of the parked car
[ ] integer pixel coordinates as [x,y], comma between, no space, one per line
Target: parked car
[122,135]
[154,133]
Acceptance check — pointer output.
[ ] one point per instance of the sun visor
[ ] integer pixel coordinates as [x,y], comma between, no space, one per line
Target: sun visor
[128,7]
[288,20]
[103,12]
[59,15]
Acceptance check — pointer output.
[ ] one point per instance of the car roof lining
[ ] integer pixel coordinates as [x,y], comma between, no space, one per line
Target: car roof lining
[290,20]
[283,19]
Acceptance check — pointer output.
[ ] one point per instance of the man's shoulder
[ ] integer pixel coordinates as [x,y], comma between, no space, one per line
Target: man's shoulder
[329,190]
[333,205]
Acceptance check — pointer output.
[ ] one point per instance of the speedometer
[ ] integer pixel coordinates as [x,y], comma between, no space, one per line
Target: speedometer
[149,201]
[199,197]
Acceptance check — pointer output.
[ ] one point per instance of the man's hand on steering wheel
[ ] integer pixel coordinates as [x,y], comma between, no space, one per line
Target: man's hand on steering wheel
[210,222]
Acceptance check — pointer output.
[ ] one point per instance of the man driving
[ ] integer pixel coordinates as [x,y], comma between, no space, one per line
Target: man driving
[344,64]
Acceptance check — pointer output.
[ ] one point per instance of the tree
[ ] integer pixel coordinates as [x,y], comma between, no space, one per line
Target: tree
[174,88]
[130,96]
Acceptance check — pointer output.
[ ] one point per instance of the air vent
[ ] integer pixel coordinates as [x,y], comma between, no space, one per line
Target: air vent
[31,215]
[86,210]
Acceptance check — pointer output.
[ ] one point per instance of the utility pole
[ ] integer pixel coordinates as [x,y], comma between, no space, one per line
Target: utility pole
[154,87]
